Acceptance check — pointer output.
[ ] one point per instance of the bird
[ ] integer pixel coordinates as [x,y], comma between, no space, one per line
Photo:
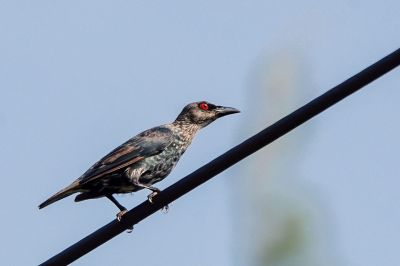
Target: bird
[144,159]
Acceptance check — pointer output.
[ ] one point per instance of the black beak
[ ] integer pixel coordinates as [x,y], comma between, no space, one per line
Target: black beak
[223,111]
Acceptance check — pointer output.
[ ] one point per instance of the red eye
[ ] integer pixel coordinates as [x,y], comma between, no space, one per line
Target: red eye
[204,106]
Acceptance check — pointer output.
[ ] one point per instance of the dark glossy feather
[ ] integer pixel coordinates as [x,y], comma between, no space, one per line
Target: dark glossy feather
[148,143]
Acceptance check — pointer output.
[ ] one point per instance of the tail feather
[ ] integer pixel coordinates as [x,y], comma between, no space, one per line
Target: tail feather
[88,195]
[71,189]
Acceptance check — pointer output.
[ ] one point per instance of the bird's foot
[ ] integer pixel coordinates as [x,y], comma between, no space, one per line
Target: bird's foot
[120,214]
[129,230]
[165,209]
[152,195]
[119,218]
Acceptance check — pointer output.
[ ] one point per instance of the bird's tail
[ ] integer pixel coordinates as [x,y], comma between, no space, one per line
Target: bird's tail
[71,189]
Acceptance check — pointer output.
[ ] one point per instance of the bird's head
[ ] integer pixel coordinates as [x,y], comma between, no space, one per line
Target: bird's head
[203,113]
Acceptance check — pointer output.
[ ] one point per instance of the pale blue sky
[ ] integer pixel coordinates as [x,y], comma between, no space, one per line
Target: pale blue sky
[79,78]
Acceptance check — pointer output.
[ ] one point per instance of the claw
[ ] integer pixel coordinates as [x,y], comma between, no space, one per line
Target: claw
[151,196]
[165,209]
[119,218]
[120,214]
[129,230]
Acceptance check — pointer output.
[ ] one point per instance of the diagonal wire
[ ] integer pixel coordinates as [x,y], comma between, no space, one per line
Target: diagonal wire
[227,159]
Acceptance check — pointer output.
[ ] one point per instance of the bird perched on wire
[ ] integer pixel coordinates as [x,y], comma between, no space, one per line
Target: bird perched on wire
[144,159]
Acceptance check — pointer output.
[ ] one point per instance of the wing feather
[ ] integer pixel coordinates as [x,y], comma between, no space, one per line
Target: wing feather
[148,143]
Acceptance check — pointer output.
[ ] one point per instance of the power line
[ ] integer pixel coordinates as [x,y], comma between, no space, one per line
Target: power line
[227,159]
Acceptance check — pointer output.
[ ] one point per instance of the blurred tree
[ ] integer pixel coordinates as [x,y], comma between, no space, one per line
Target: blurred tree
[279,218]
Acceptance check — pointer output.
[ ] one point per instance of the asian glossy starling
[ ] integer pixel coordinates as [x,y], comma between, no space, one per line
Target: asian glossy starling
[144,159]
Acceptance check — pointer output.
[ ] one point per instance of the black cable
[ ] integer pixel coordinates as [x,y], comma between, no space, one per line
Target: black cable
[227,159]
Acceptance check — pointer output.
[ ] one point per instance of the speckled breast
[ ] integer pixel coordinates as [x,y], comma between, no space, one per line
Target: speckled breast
[159,166]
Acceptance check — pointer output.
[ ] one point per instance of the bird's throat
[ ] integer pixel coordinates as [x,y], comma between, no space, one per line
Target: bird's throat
[184,131]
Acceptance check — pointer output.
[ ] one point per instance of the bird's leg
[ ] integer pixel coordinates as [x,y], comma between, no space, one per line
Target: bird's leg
[122,208]
[154,192]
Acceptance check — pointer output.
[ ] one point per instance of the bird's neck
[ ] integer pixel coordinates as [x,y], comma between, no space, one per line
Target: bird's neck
[184,130]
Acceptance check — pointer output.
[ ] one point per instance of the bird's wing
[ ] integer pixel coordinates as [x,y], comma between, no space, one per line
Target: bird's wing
[148,143]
